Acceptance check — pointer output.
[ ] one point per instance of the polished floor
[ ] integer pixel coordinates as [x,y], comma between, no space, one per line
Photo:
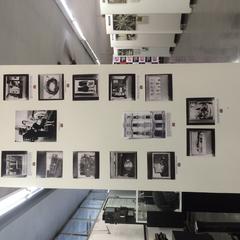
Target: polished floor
[212,33]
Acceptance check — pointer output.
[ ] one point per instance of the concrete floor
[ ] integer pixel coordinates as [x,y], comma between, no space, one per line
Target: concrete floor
[212,33]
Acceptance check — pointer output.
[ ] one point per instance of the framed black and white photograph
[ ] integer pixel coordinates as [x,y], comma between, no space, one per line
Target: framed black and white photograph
[117,1]
[86,164]
[16,87]
[161,165]
[124,22]
[200,111]
[123,165]
[122,87]
[49,164]
[125,52]
[85,87]
[144,125]
[200,142]
[158,87]
[36,126]
[51,87]
[125,37]
[15,164]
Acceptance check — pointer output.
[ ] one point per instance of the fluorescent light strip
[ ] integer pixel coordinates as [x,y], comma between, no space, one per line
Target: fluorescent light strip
[17,198]
[77,28]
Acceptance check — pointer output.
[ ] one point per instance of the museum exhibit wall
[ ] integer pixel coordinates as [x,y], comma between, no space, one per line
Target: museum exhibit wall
[144,6]
[144,23]
[36,32]
[44,220]
[139,40]
[195,117]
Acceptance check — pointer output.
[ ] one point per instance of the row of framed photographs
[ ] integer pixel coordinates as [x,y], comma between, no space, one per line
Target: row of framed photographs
[158,87]
[123,165]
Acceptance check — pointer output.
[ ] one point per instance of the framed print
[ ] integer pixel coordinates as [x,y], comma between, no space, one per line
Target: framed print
[161,165]
[200,111]
[144,125]
[125,37]
[15,164]
[85,87]
[158,87]
[124,22]
[200,142]
[86,164]
[122,87]
[51,87]
[117,1]
[49,164]
[123,165]
[36,126]
[16,87]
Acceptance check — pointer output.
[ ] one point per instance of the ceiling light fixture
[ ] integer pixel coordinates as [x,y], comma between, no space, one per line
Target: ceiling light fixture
[67,12]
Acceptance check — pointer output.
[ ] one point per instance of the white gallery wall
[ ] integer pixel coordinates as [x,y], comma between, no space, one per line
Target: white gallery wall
[140,40]
[97,125]
[145,6]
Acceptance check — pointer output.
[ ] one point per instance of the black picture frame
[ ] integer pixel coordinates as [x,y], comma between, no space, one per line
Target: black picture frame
[49,164]
[159,87]
[14,164]
[201,142]
[85,87]
[123,165]
[116,1]
[86,164]
[161,165]
[16,87]
[50,87]
[200,111]
[122,87]
[124,22]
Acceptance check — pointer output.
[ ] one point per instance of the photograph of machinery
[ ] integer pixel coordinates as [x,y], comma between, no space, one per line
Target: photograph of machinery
[124,22]
[86,164]
[122,87]
[16,87]
[49,164]
[85,87]
[14,164]
[139,125]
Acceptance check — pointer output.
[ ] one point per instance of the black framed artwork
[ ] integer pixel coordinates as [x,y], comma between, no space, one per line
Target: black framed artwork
[161,165]
[122,87]
[200,111]
[51,87]
[16,87]
[200,142]
[85,164]
[85,87]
